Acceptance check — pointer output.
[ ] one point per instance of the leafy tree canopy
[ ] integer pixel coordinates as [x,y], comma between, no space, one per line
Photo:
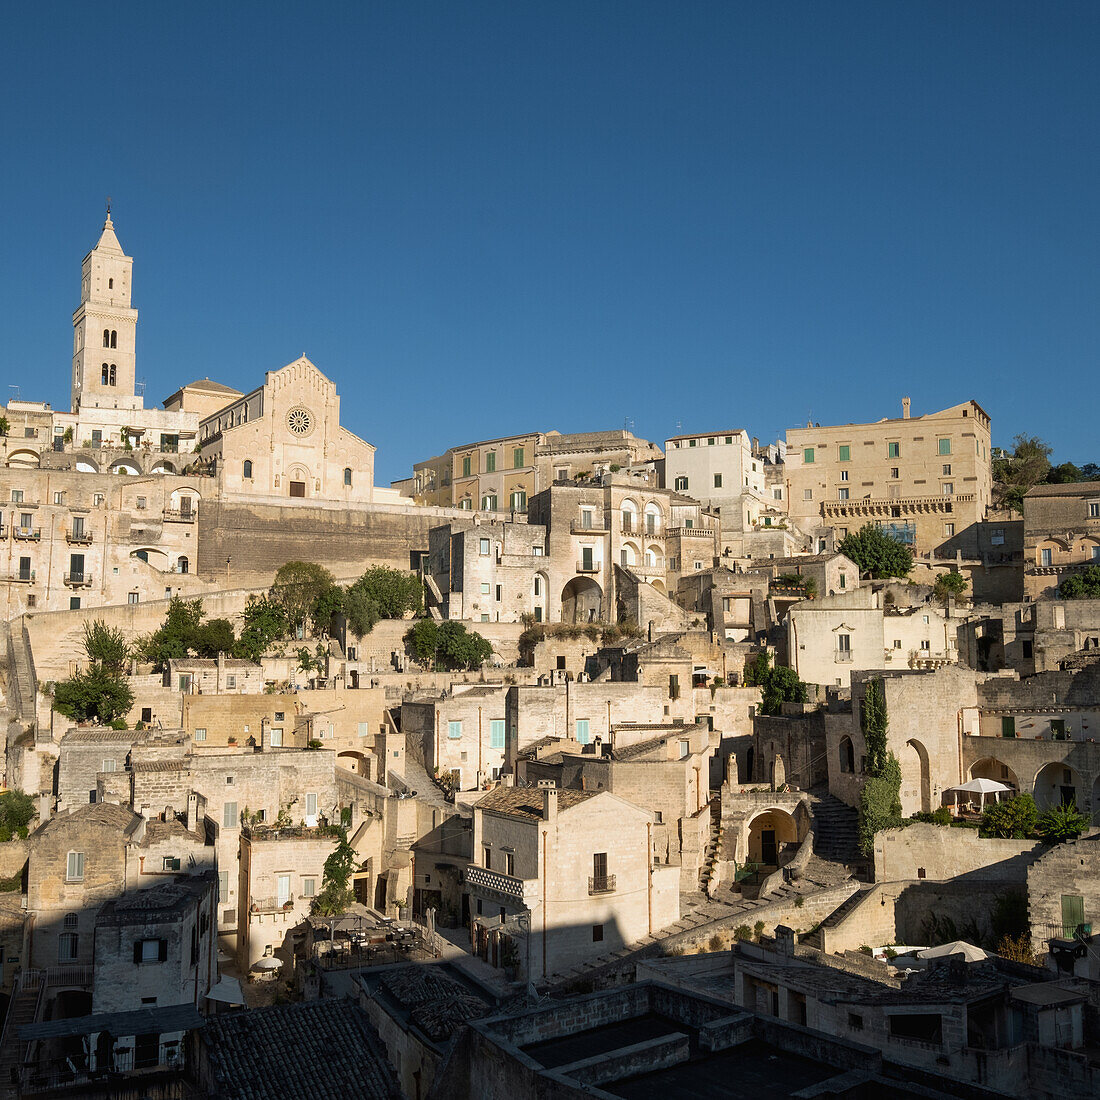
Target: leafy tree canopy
[16,813]
[392,591]
[265,623]
[1013,818]
[950,584]
[1083,585]
[875,552]
[94,694]
[422,640]
[1063,822]
[336,895]
[1024,468]
[360,611]
[106,646]
[462,648]
[297,588]
[184,634]
[777,685]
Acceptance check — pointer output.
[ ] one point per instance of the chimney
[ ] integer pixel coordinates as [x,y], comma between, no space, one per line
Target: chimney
[549,799]
[905,408]
[192,812]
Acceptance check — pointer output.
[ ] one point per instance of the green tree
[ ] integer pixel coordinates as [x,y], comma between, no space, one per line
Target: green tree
[875,552]
[777,685]
[1064,474]
[336,895]
[5,427]
[1015,474]
[1014,818]
[880,796]
[1083,585]
[950,586]
[1063,822]
[326,607]
[423,640]
[213,637]
[175,637]
[17,810]
[106,646]
[297,588]
[360,611]
[461,648]
[265,623]
[393,591]
[94,694]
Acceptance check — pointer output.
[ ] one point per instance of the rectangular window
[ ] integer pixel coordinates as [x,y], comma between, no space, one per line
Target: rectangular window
[485,588]
[946,470]
[487,854]
[842,494]
[948,530]
[519,501]
[1073,915]
[807,455]
[490,462]
[718,481]
[68,947]
[309,887]
[845,453]
[584,736]
[140,504]
[843,580]
[362,729]
[1094,509]
[681,485]
[894,472]
[684,750]
[132,597]
[517,458]
[466,466]
[844,645]
[777,494]
[483,547]
[807,494]
[510,863]
[229,815]
[200,733]
[945,446]
[454,731]
[1008,726]
[843,475]
[1047,557]
[276,737]
[586,518]
[311,805]
[223,886]
[948,488]
[74,867]
[59,498]
[597,933]
[893,450]
[692,442]
[496,733]
[109,765]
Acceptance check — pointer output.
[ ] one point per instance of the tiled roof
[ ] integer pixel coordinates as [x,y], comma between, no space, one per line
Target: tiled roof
[528,801]
[1072,489]
[99,813]
[436,1003]
[96,736]
[318,1050]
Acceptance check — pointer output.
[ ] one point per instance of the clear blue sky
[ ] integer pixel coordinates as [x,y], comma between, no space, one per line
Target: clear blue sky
[481,218]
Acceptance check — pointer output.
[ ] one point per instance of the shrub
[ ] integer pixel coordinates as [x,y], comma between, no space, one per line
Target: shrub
[742,932]
[758,929]
[799,901]
[715,942]
[867,950]
[1014,818]
[1061,823]
[891,953]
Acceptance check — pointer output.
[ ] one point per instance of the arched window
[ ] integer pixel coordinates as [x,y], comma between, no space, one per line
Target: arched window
[248,467]
[106,337]
[114,338]
[652,519]
[182,564]
[106,373]
[847,755]
[112,374]
[347,475]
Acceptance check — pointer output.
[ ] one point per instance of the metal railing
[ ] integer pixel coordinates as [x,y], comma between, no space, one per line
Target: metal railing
[596,527]
[601,884]
[78,538]
[23,576]
[271,905]
[78,580]
[496,881]
[28,534]
[178,515]
[589,567]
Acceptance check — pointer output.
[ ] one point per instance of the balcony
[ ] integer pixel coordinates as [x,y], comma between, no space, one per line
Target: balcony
[597,527]
[689,533]
[843,656]
[272,905]
[589,566]
[180,515]
[504,886]
[78,580]
[601,884]
[21,576]
[27,534]
[78,538]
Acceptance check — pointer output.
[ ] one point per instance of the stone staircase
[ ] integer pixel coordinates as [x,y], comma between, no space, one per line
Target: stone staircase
[22,1009]
[22,680]
[713,851]
[836,831]
[816,938]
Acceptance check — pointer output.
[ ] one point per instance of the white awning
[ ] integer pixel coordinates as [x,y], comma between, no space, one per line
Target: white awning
[227,990]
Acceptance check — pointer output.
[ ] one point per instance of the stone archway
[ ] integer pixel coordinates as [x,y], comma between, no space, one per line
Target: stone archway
[581,601]
[991,768]
[769,832]
[1056,784]
[916,784]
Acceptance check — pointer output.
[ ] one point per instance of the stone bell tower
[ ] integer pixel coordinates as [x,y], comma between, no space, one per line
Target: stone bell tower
[105,329]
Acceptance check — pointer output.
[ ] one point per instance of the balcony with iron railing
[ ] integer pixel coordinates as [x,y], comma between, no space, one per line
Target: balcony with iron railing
[842,656]
[180,515]
[21,576]
[78,538]
[27,534]
[601,884]
[78,580]
[596,527]
[495,882]
[271,905]
[589,566]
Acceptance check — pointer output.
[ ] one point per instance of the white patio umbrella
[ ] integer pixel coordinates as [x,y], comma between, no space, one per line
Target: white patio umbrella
[267,963]
[957,947]
[982,788]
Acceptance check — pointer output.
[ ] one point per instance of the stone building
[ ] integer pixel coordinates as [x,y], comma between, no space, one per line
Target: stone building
[1063,892]
[922,479]
[501,475]
[560,877]
[1061,534]
[214,676]
[157,946]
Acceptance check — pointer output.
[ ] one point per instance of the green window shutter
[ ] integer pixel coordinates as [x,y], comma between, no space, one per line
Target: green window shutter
[807,454]
[491,462]
[454,731]
[945,446]
[517,457]
[466,466]
[1008,726]
[1073,915]
[496,734]
[583,734]
[893,450]
[845,453]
